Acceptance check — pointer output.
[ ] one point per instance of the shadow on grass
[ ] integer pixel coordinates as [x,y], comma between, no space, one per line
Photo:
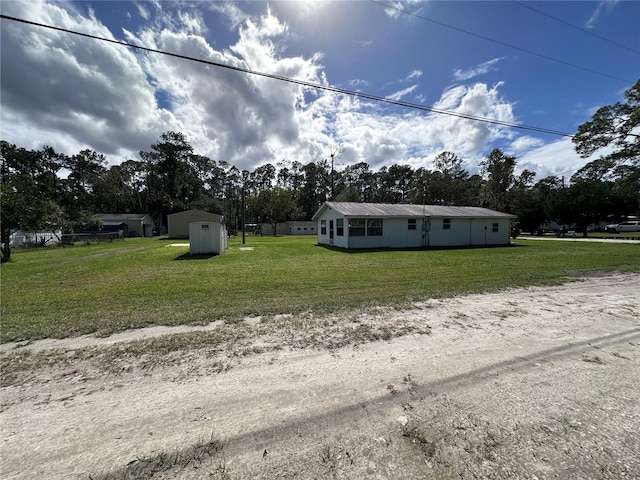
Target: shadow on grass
[199,256]
[417,249]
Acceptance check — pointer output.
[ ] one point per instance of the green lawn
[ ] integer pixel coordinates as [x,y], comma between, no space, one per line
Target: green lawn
[60,292]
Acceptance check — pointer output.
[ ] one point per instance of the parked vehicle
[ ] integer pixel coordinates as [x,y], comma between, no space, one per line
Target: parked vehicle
[628,226]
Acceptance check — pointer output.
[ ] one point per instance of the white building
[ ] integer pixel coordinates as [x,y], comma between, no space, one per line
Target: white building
[289,228]
[377,225]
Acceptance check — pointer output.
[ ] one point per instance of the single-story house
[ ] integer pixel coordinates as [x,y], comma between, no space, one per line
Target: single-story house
[378,225]
[290,228]
[178,223]
[131,224]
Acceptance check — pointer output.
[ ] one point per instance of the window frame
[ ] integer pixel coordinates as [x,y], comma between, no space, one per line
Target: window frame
[357,227]
[323,227]
[375,227]
[446,224]
[340,227]
[412,224]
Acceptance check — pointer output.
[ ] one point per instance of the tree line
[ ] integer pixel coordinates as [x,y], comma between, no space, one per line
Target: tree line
[43,189]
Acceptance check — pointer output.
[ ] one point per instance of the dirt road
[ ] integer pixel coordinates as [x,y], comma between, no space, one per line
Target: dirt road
[528,383]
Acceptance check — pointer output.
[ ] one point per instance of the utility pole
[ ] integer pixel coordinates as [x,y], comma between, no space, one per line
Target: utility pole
[243,209]
[244,184]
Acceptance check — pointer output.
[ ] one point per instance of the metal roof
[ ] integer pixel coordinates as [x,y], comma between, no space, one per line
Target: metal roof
[114,217]
[353,209]
[193,213]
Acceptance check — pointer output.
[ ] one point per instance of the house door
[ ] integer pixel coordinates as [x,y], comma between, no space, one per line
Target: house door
[330,232]
[426,226]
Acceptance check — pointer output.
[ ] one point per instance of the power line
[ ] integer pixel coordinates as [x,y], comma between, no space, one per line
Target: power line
[530,52]
[583,30]
[304,83]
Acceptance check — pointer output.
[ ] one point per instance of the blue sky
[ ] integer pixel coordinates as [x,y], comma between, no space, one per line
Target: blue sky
[516,62]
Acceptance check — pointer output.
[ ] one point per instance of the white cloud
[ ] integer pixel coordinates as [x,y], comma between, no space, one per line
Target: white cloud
[142,10]
[356,82]
[230,11]
[604,7]
[413,75]
[401,93]
[466,136]
[396,8]
[553,159]
[379,137]
[476,71]
[524,144]
[192,23]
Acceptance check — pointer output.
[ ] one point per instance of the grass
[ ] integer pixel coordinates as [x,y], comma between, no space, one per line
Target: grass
[105,288]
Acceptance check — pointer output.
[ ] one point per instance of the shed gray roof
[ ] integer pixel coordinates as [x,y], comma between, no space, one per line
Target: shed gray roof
[353,209]
[193,213]
[122,217]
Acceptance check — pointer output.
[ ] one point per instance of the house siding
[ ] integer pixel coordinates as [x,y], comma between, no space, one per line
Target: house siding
[468,231]
[338,241]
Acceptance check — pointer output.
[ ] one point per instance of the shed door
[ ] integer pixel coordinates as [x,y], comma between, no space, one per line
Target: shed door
[330,232]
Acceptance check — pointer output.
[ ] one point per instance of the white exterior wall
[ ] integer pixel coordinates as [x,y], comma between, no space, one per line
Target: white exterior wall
[396,233]
[468,231]
[456,236]
[207,238]
[281,229]
[302,228]
[338,241]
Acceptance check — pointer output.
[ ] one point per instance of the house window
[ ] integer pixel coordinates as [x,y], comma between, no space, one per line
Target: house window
[356,227]
[340,227]
[446,224]
[411,224]
[374,227]
[494,227]
[323,227]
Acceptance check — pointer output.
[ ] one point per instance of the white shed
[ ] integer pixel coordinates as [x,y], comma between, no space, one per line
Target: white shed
[378,225]
[207,238]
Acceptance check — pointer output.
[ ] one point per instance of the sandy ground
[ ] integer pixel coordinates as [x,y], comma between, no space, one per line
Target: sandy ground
[528,383]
